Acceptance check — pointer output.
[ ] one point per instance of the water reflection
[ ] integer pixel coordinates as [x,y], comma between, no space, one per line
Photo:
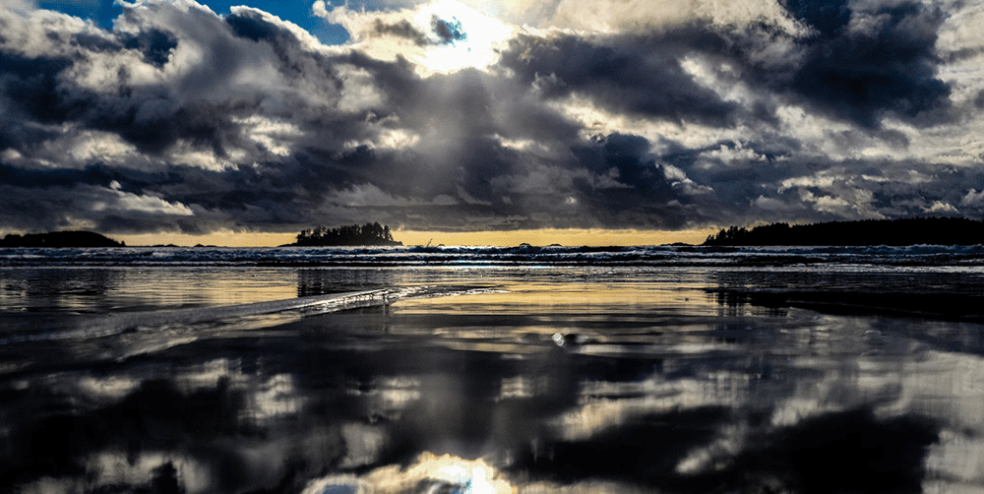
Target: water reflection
[108,289]
[932,293]
[58,288]
[596,386]
[326,281]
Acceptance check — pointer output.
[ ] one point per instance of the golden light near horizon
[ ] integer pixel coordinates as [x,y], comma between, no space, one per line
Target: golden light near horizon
[547,236]
[223,238]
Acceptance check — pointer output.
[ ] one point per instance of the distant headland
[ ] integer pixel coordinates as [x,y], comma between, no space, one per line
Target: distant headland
[370,234]
[60,239]
[906,231]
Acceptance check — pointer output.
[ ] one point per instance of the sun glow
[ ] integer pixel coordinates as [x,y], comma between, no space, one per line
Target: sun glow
[462,36]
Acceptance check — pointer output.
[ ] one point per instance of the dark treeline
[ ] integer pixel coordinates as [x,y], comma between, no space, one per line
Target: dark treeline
[352,235]
[908,231]
[60,239]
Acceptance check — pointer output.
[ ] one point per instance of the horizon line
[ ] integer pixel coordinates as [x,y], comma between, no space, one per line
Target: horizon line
[585,237]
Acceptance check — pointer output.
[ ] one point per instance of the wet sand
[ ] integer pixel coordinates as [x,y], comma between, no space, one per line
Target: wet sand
[547,381]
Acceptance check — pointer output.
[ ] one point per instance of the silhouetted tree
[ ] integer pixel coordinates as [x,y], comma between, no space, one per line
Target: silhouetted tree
[350,235]
[907,231]
[59,239]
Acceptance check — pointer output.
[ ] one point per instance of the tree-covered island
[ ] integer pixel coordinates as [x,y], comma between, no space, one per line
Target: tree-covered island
[906,231]
[77,239]
[372,234]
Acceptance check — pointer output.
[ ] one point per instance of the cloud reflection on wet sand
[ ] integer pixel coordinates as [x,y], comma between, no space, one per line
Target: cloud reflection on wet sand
[591,397]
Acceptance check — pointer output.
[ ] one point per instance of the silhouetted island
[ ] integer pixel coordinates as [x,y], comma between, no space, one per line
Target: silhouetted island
[346,236]
[60,239]
[906,231]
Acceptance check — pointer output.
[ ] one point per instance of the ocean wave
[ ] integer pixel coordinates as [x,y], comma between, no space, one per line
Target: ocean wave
[930,255]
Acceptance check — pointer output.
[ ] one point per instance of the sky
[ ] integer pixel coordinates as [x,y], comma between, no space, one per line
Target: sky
[468,119]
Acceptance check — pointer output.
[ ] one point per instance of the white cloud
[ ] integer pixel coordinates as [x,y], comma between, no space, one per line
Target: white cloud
[186,154]
[117,201]
[961,27]
[36,33]
[678,180]
[276,136]
[10,155]
[319,9]
[409,33]
[941,207]
[772,204]
[737,153]
[482,36]
[94,146]
[595,120]
[821,180]
[641,15]
[72,147]
[362,29]
[973,198]
[359,93]
[224,102]
[852,203]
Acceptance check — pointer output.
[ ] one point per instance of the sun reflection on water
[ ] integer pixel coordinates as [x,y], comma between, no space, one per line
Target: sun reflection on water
[579,385]
[431,473]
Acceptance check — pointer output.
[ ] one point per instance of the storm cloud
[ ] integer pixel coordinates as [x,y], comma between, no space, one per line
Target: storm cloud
[858,66]
[180,119]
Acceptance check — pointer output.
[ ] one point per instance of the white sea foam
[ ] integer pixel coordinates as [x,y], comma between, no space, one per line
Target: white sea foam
[33,327]
[921,255]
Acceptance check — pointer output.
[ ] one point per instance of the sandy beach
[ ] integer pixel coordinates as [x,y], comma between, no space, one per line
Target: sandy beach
[515,379]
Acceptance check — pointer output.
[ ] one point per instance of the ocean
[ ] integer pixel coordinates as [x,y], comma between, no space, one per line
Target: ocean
[470,370]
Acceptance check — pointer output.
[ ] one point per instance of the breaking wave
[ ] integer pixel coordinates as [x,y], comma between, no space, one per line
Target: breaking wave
[918,255]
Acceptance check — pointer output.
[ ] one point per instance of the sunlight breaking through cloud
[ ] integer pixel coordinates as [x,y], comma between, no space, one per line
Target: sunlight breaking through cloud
[644,116]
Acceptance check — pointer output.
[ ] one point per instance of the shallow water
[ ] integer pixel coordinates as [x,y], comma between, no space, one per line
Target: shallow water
[543,379]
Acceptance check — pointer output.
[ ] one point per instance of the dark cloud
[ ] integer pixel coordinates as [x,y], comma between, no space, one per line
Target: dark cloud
[630,156]
[643,452]
[203,124]
[401,29]
[852,451]
[155,45]
[888,67]
[41,88]
[448,31]
[828,17]
[31,86]
[640,192]
[636,75]
[92,175]
[253,28]
[198,424]
[244,122]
